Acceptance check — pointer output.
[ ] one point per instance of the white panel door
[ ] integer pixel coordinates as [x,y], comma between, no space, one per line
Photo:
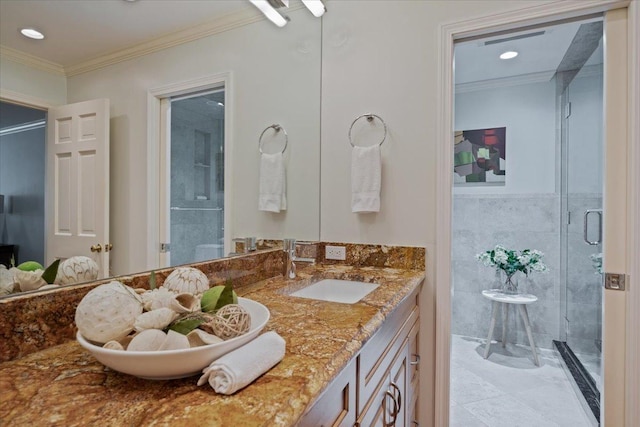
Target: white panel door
[77,187]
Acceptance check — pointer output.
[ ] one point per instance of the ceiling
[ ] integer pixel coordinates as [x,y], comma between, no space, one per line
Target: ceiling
[478,60]
[79,30]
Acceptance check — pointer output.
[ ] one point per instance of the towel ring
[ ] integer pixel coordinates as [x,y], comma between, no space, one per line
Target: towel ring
[370,118]
[276,128]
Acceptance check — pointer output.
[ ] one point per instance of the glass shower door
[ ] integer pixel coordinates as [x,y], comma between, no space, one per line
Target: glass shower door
[583,248]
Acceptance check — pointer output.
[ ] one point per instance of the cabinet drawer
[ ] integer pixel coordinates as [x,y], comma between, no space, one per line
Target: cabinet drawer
[378,353]
[337,404]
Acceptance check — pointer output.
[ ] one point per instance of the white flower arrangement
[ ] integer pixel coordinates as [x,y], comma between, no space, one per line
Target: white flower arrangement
[511,261]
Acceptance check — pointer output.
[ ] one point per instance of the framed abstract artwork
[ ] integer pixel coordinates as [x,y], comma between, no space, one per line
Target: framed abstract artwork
[480,156]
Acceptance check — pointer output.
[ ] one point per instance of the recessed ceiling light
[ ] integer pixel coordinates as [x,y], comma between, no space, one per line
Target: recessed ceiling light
[508,54]
[32,34]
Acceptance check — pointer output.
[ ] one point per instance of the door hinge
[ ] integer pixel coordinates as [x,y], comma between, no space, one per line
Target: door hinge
[614,281]
[165,247]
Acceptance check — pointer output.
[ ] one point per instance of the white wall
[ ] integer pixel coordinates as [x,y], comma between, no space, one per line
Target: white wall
[275,78]
[382,57]
[40,85]
[528,112]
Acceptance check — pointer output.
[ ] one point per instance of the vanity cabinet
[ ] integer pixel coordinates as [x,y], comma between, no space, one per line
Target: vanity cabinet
[379,387]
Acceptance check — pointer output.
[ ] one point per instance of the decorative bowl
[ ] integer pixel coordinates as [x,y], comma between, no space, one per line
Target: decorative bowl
[172,364]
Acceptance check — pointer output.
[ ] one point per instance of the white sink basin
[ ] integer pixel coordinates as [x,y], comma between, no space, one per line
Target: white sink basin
[334,290]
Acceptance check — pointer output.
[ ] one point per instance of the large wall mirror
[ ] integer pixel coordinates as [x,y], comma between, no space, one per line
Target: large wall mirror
[272,77]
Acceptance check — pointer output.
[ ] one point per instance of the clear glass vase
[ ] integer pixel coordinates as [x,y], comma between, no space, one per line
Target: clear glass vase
[510,283]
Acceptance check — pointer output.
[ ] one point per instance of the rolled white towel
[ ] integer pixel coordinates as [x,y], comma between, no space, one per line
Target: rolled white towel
[239,368]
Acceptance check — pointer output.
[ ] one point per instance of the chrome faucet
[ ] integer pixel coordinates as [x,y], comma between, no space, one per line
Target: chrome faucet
[249,244]
[289,248]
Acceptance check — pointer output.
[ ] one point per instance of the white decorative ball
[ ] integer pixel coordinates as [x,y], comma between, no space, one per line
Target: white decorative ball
[108,312]
[75,270]
[187,280]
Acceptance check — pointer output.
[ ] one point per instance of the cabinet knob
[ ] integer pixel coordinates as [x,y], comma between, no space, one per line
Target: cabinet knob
[96,248]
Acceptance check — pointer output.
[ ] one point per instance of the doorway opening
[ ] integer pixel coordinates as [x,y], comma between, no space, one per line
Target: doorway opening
[196,161]
[22,184]
[527,198]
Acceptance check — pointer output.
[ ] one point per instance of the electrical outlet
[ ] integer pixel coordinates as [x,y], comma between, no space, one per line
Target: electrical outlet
[335,252]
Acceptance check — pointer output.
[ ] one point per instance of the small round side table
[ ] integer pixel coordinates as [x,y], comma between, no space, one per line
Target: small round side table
[521,301]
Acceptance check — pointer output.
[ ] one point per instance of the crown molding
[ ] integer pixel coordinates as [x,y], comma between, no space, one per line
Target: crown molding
[540,77]
[226,23]
[30,60]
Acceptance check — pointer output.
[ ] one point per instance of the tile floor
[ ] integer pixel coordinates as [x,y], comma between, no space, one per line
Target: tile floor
[508,390]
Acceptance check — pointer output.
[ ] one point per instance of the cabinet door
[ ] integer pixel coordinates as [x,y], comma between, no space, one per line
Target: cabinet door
[398,388]
[380,351]
[336,407]
[387,405]
[413,376]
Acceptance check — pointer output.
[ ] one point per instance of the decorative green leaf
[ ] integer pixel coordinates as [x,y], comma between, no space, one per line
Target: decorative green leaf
[51,272]
[226,296]
[186,325]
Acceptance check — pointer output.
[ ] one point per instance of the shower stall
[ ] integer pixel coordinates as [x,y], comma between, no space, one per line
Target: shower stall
[197,177]
[549,197]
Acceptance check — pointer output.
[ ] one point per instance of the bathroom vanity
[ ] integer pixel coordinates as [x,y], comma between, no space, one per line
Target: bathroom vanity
[345,364]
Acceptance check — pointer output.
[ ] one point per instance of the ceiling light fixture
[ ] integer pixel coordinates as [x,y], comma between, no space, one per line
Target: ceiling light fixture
[315,6]
[32,34]
[510,54]
[270,12]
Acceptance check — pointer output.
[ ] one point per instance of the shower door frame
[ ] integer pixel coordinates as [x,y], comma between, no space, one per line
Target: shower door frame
[157,149]
[621,309]
[572,218]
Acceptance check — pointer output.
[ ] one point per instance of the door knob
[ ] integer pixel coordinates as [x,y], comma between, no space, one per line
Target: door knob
[96,248]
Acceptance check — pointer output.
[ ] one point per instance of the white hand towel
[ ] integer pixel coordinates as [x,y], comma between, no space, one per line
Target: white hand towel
[239,368]
[366,174]
[272,195]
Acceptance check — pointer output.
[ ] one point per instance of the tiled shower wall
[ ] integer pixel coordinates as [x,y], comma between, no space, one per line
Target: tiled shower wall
[529,221]
[480,222]
[194,222]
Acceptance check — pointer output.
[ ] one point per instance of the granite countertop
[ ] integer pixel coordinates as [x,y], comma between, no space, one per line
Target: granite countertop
[65,385]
